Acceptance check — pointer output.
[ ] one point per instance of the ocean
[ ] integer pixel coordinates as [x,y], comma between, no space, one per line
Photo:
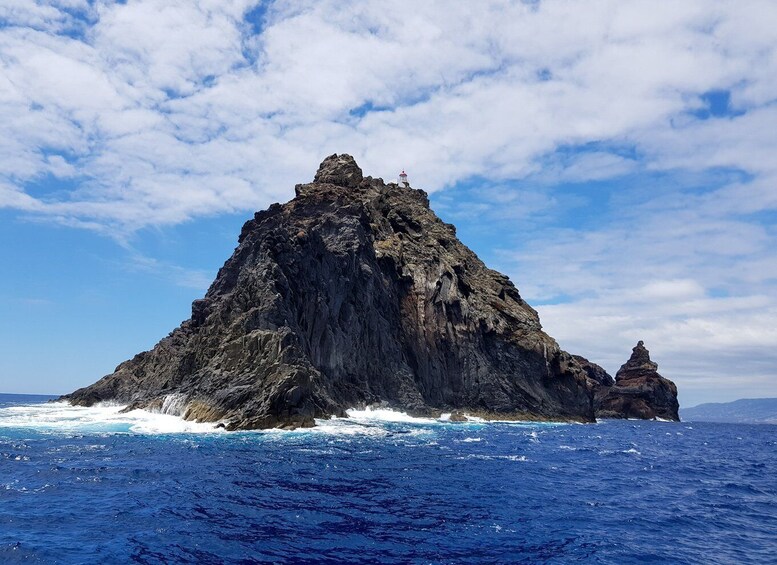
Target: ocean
[90,485]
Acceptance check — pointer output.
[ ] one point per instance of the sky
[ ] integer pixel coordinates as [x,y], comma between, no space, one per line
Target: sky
[617,159]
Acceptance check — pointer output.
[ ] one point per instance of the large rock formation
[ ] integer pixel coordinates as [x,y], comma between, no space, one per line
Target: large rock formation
[638,391]
[352,293]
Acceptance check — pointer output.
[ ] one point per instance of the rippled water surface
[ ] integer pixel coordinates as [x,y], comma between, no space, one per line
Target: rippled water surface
[94,486]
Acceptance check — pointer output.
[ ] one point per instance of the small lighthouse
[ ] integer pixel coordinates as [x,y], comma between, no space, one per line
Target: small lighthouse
[403,179]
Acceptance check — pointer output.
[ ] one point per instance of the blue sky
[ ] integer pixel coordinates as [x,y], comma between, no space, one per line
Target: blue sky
[615,158]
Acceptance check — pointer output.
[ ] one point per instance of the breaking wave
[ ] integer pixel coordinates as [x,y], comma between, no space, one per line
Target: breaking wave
[62,417]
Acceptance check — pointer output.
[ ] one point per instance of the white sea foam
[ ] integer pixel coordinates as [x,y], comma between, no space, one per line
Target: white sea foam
[102,418]
[383,421]
[387,415]
[344,427]
[174,404]
[379,422]
[61,417]
[494,457]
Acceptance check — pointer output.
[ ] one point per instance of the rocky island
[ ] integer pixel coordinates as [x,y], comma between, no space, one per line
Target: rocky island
[355,293]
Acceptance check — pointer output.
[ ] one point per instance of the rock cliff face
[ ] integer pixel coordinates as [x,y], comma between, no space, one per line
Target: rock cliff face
[352,293]
[638,391]
[598,380]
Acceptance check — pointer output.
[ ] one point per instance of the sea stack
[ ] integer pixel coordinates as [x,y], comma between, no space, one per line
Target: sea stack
[639,391]
[353,293]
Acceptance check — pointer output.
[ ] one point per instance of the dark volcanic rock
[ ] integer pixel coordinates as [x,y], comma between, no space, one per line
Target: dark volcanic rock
[341,170]
[352,293]
[595,374]
[599,381]
[639,391]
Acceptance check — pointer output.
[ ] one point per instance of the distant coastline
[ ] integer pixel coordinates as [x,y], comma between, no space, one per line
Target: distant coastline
[742,411]
[12,396]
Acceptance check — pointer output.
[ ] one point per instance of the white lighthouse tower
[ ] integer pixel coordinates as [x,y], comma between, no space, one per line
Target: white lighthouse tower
[403,179]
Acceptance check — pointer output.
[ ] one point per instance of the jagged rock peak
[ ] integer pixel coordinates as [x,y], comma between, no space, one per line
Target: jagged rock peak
[341,170]
[639,362]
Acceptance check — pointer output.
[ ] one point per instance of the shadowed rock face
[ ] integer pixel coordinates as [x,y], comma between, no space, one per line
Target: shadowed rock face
[352,293]
[638,392]
[598,380]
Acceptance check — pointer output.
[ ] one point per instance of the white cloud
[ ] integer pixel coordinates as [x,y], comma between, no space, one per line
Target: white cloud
[672,289]
[180,276]
[710,347]
[684,274]
[151,88]
[55,15]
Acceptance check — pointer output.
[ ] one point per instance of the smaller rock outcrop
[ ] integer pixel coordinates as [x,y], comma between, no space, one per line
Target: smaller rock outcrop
[638,392]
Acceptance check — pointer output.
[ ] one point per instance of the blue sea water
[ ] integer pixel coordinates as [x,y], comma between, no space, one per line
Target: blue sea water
[93,486]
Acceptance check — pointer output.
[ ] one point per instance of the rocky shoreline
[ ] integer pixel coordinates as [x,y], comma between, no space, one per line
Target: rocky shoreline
[355,293]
